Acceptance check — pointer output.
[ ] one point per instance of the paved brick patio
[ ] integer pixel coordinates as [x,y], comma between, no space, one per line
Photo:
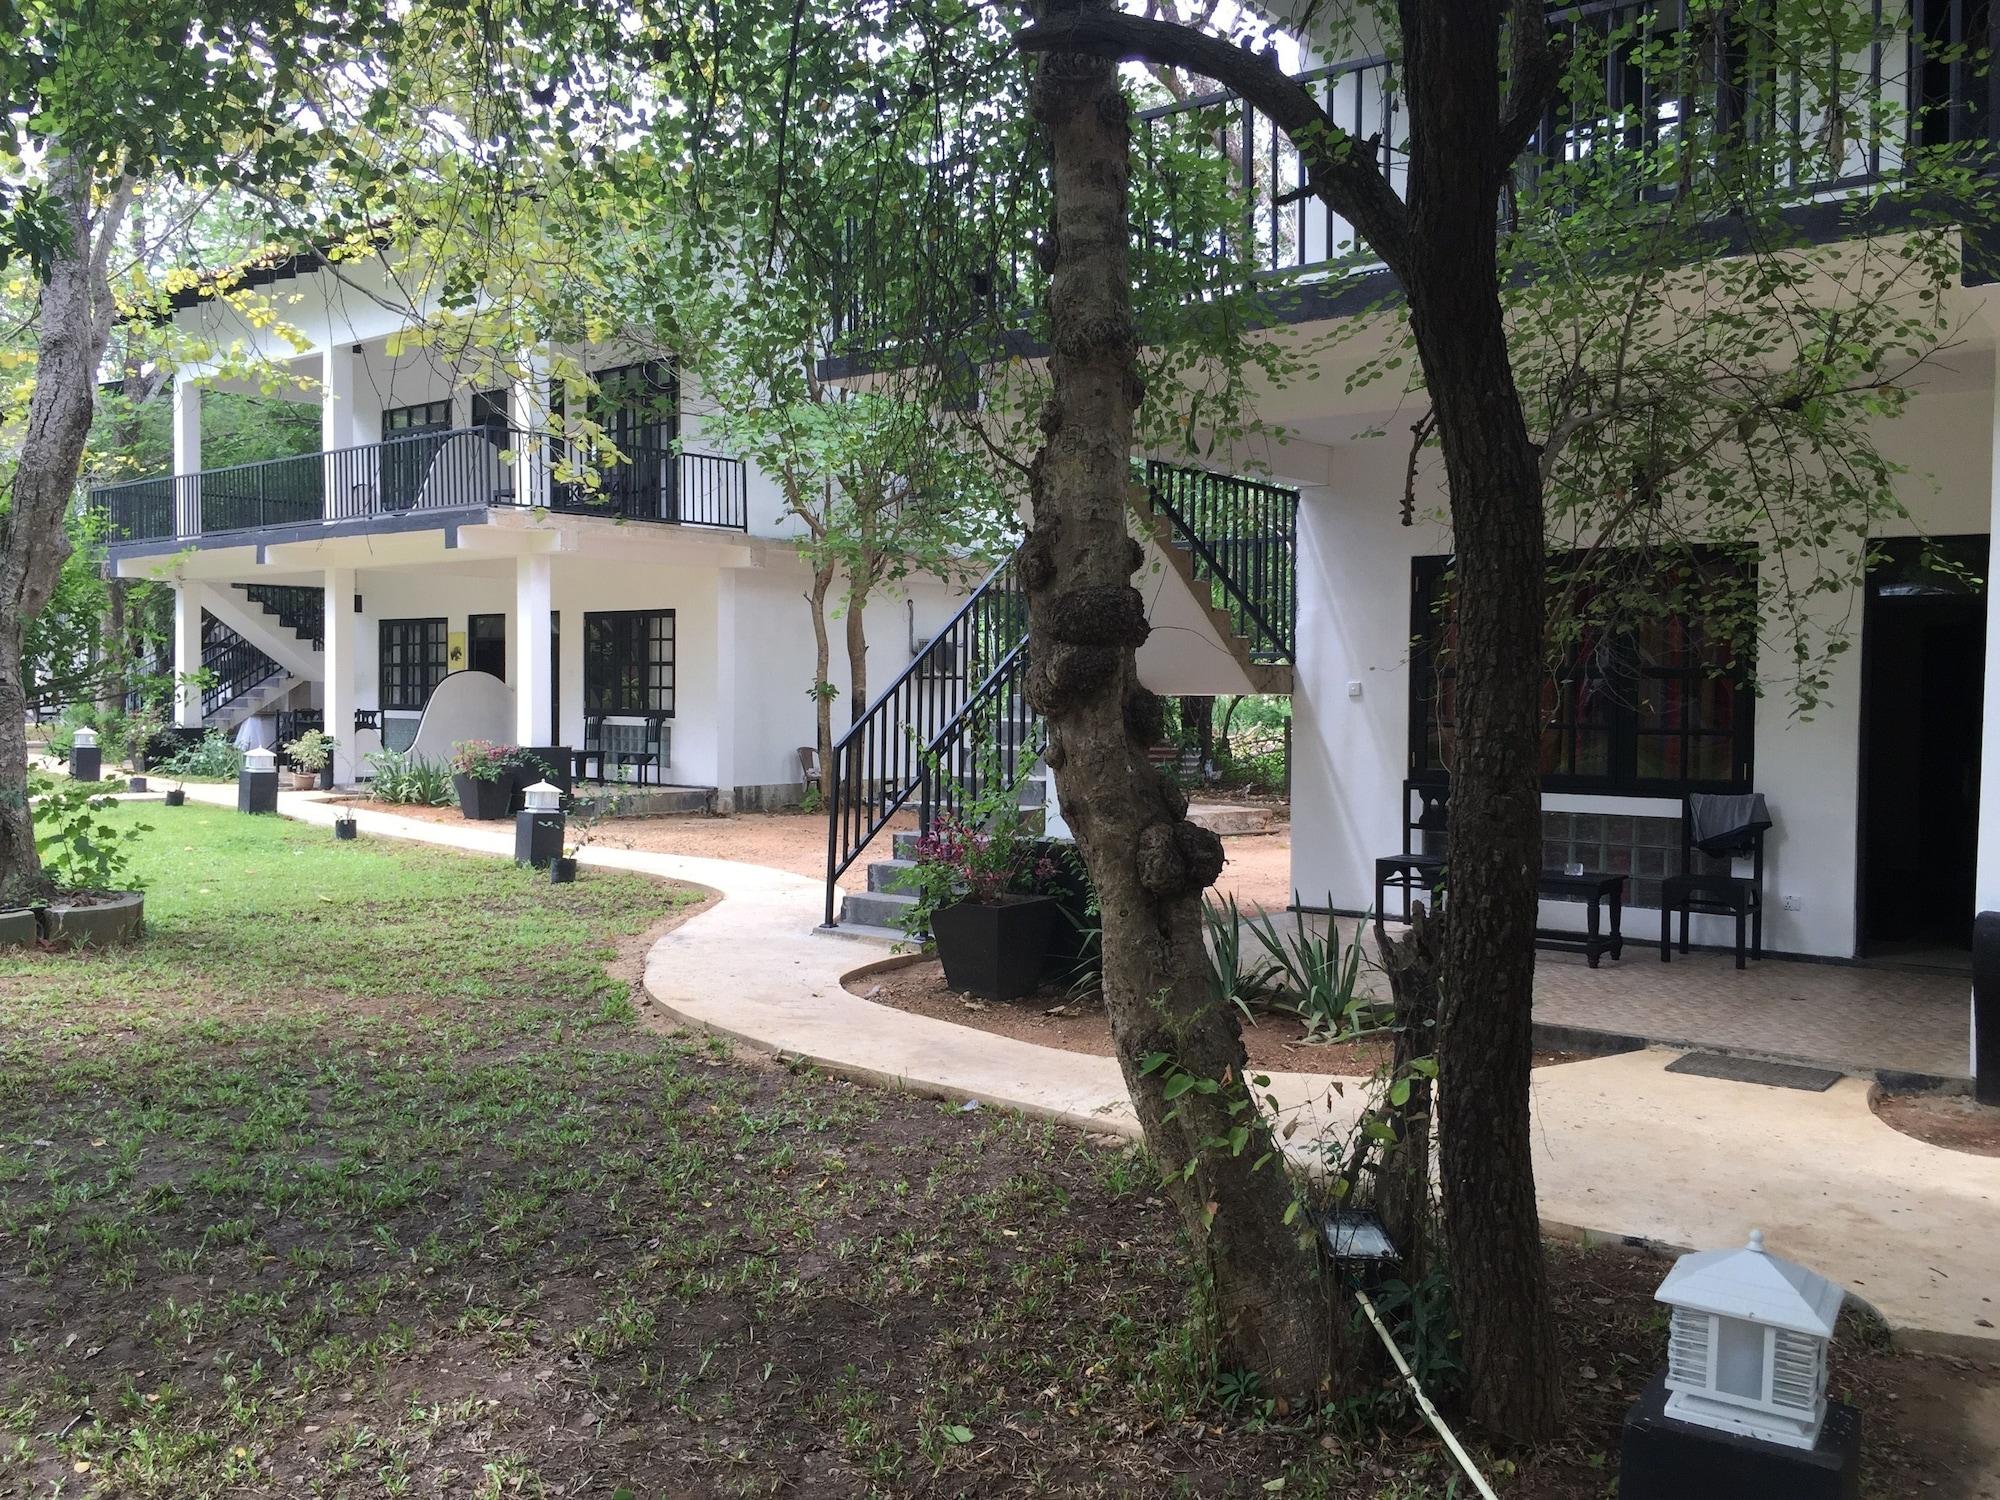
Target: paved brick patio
[1857,1019]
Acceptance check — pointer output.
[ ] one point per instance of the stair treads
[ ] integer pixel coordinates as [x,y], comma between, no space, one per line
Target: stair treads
[1777,1075]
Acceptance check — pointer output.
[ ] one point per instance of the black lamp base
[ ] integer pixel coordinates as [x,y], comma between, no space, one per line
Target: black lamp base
[1668,1459]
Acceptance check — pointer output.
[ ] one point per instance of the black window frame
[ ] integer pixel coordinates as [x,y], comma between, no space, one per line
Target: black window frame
[429,635]
[415,419]
[1619,721]
[622,676]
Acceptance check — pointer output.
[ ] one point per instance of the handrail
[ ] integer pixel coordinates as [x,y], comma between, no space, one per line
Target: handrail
[878,763]
[1000,704]
[1243,537]
[453,468]
[237,665]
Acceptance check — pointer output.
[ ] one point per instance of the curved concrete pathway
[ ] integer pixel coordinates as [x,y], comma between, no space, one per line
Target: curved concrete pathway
[1622,1147]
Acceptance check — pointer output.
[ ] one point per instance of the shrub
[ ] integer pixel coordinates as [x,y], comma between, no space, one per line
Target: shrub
[210,756]
[409,780]
[82,851]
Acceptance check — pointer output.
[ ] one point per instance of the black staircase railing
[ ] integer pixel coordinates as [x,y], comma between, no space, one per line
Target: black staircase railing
[234,665]
[993,740]
[1242,535]
[880,761]
[300,608]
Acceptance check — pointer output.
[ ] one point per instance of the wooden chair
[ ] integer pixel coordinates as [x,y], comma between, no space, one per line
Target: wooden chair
[1717,892]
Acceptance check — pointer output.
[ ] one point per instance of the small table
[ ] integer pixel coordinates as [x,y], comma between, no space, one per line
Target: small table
[1594,888]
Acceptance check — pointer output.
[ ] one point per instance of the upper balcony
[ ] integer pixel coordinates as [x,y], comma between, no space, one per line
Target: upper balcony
[1653,104]
[424,478]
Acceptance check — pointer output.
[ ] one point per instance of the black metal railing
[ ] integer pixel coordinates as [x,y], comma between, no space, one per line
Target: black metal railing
[985,749]
[1242,535]
[881,760]
[662,484]
[456,469]
[234,665]
[1922,80]
[300,608]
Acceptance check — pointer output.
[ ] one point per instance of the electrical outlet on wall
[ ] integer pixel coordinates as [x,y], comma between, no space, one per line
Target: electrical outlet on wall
[1795,903]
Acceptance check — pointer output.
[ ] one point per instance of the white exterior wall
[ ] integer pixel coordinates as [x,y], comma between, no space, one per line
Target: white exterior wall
[1351,752]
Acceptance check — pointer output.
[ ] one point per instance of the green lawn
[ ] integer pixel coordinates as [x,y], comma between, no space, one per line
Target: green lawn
[360,1177]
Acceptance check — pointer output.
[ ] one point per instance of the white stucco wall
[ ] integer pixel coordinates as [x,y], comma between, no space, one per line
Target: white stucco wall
[1351,706]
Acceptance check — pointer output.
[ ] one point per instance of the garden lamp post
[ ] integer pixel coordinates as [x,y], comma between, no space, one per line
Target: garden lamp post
[538,826]
[86,759]
[257,782]
[1741,1409]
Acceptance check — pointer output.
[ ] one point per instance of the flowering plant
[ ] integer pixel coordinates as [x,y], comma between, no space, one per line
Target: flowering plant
[482,760]
[963,861]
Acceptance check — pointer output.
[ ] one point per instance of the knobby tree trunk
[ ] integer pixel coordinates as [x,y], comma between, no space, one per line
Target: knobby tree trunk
[1274,1310]
[72,329]
[1442,246]
[1451,278]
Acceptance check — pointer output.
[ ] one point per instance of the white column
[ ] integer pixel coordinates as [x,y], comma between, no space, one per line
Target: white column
[1986,883]
[528,414]
[336,429]
[187,653]
[529,649]
[342,647]
[728,774]
[187,456]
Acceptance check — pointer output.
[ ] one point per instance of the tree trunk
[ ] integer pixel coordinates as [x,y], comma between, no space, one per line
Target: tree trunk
[72,328]
[1220,1165]
[1485,1049]
[114,645]
[857,654]
[1403,1189]
[822,694]
[1198,714]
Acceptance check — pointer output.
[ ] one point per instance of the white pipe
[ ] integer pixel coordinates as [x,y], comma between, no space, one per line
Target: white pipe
[1423,1402]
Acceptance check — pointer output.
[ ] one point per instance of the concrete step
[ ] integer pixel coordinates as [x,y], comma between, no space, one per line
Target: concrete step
[875,908]
[905,844]
[636,801]
[884,873]
[862,932]
[1226,818]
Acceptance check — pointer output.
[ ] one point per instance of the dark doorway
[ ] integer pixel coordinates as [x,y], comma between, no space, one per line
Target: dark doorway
[486,644]
[1923,671]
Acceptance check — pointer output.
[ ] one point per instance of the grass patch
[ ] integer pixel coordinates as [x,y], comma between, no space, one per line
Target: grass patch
[359,1177]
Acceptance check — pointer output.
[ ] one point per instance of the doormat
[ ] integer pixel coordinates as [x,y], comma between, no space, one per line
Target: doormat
[1777,1075]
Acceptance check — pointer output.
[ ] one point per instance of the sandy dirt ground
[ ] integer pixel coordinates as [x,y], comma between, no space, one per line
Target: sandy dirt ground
[1258,872]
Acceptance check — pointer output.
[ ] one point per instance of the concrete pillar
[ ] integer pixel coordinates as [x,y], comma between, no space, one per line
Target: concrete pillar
[187,456]
[1987,881]
[528,415]
[728,773]
[346,486]
[187,653]
[529,648]
[342,647]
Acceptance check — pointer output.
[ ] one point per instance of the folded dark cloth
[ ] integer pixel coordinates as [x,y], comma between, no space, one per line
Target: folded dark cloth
[1727,824]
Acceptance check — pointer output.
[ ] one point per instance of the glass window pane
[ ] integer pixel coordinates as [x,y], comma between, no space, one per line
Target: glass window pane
[1739,1358]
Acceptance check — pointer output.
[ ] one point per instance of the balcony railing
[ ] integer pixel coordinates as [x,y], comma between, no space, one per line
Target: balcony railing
[1223,191]
[459,469]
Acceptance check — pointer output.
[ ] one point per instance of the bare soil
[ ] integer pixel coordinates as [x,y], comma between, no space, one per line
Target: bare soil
[1079,1023]
[1950,1121]
[1258,872]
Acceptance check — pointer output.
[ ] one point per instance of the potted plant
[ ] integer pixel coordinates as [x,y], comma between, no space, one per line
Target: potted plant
[483,777]
[982,895]
[311,755]
[85,857]
[344,826]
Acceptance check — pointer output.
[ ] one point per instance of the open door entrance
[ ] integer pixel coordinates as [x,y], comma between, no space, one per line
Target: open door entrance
[1923,670]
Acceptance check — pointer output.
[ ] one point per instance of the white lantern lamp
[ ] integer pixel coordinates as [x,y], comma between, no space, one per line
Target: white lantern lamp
[257,782]
[1747,1346]
[538,826]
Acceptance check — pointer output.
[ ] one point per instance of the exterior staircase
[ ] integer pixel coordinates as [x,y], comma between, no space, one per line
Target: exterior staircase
[957,718]
[246,679]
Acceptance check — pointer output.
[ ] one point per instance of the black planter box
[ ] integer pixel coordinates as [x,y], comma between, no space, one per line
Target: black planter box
[997,952]
[483,800]
[562,870]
